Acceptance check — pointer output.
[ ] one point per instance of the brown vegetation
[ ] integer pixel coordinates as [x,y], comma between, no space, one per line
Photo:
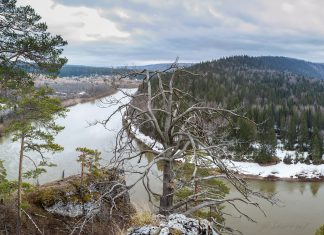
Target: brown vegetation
[37,220]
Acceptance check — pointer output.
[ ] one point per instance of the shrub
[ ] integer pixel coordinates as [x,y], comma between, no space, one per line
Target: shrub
[47,196]
[288,159]
[318,161]
[307,161]
[320,230]
[264,159]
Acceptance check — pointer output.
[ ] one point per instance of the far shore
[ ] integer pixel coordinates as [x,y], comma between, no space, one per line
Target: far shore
[275,178]
[79,100]
[248,176]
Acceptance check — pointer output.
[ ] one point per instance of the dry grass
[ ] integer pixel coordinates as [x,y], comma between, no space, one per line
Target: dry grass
[142,218]
[174,231]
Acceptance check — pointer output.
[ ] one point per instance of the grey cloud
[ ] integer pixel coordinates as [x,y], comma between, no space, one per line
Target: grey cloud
[196,30]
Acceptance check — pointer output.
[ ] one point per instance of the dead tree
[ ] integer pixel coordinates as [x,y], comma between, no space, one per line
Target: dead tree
[187,131]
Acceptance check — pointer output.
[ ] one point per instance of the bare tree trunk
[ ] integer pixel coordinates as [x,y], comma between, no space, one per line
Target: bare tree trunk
[81,187]
[21,157]
[82,171]
[166,200]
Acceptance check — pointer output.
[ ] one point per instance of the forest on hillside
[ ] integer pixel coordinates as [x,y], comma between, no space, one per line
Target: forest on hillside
[286,107]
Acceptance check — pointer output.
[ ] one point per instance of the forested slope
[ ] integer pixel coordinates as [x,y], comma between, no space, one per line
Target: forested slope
[287,106]
[280,63]
[291,105]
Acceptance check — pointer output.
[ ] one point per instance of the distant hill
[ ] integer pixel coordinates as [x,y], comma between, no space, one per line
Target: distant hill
[158,67]
[279,63]
[276,63]
[81,70]
[259,81]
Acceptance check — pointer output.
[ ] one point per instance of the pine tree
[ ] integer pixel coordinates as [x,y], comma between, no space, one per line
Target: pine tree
[246,134]
[268,143]
[292,133]
[303,132]
[34,127]
[26,46]
[317,146]
[89,160]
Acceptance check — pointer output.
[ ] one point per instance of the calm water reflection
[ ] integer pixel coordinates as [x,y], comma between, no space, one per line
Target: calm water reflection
[300,210]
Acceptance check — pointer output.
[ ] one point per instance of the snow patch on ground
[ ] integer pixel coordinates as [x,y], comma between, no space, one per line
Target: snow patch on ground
[280,170]
[153,144]
[282,153]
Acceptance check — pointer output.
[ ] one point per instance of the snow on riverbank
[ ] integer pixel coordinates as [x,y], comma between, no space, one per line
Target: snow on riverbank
[280,170]
[154,145]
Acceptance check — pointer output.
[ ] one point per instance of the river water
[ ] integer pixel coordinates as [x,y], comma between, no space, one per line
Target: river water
[300,211]
[78,132]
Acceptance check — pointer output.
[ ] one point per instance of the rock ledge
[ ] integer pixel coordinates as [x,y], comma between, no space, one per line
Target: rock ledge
[175,224]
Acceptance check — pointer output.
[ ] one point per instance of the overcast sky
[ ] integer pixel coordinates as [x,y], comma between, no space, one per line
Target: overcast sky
[135,32]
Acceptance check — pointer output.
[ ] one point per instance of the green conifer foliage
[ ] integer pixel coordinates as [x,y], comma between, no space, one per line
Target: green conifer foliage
[34,127]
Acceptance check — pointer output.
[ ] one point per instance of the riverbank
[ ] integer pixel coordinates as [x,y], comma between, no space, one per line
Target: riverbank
[69,102]
[299,172]
[275,178]
[101,94]
[286,172]
[79,100]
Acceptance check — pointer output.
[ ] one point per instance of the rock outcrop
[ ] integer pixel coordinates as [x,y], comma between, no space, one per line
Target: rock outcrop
[85,207]
[175,224]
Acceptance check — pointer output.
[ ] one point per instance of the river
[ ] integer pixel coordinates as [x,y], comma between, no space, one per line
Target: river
[300,211]
[78,132]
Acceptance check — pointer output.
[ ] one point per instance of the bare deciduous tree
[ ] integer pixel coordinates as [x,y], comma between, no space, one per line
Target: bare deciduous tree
[190,147]
[187,132]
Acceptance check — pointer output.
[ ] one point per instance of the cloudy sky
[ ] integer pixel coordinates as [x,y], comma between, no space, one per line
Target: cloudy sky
[135,32]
